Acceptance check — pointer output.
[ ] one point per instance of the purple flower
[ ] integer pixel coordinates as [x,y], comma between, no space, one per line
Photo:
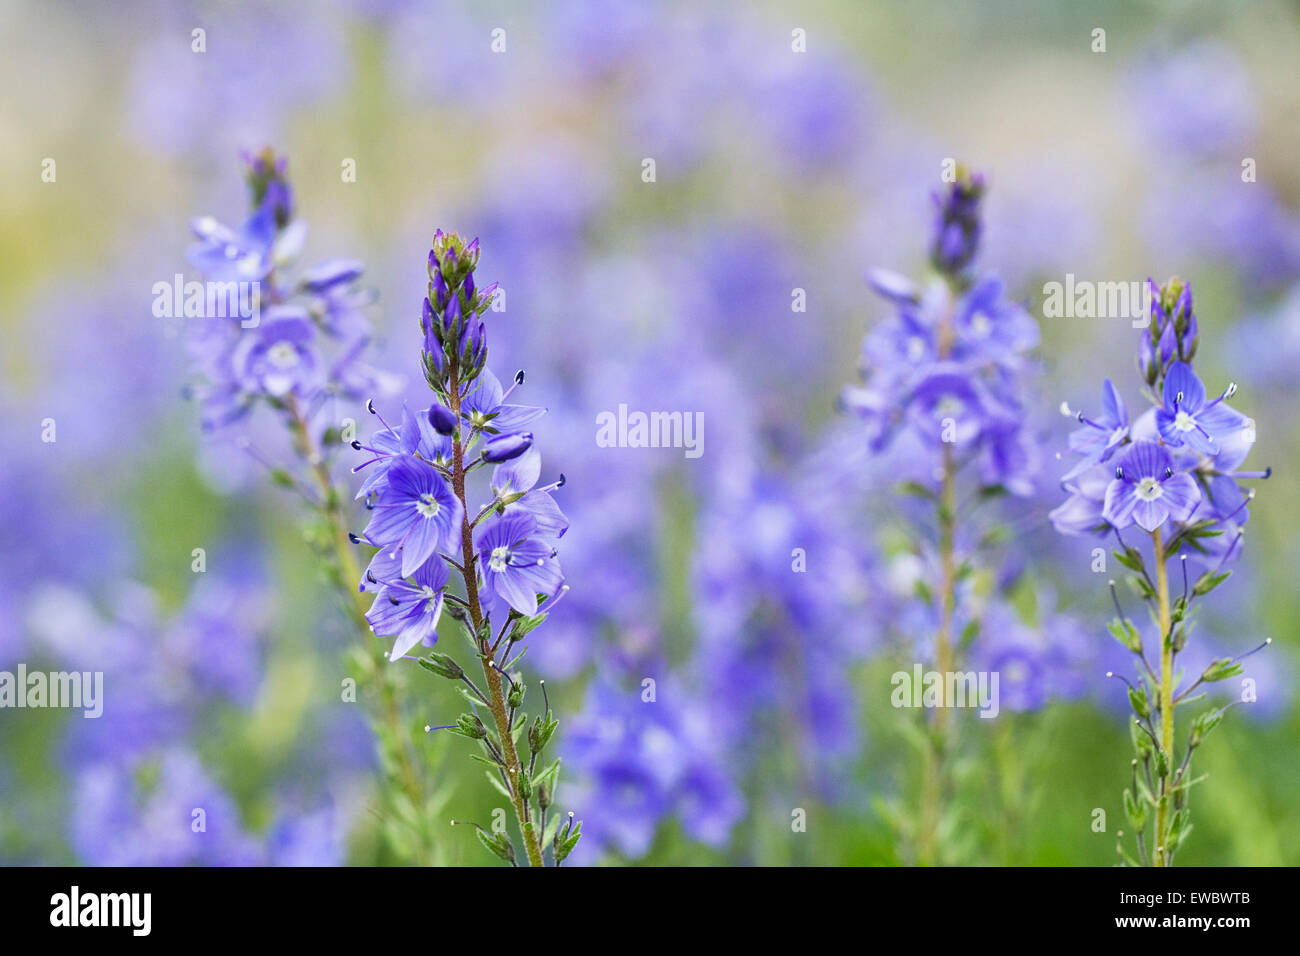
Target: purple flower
[416,435]
[224,255]
[1097,440]
[1082,511]
[517,563]
[1186,417]
[280,357]
[513,484]
[1147,491]
[484,406]
[409,612]
[991,327]
[416,512]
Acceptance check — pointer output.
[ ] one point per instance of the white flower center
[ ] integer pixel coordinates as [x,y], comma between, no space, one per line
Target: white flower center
[428,505]
[499,560]
[1148,489]
[1184,422]
[282,355]
[915,349]
[430,599]
[981,325]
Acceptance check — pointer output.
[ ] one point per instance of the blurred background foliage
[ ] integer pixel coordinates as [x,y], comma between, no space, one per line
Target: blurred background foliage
[774,170]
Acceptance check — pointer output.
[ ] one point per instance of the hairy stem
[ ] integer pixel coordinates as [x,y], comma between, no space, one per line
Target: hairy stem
[496,695]
[1163,816]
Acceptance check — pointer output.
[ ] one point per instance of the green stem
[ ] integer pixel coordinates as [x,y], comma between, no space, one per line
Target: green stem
[496,695]
[932,784]
[350,573]
[1163,816]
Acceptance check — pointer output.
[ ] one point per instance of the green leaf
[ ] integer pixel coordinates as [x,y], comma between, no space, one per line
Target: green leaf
[443,665]
[1208,581]
[914,489]
[1126,633]
[526,624]
[549,775]
[566,847]
[1131,558]
[1221,668]
[1137,814]
[1202,726]
[497,844]
[1137,698]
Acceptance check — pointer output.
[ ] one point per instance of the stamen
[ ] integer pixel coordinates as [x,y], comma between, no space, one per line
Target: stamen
[1255,650]
[555,599]
[1114,596]
[519,380]
[370,406]
[1124,679]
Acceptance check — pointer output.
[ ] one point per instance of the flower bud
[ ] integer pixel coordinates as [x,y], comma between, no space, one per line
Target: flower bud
[442,418]
[506,447]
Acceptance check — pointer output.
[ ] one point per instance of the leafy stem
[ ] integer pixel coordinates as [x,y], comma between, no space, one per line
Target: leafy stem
[495,693]
[1163,850]
[331,508]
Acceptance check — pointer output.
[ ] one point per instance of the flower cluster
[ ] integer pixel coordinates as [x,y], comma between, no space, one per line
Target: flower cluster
[948,366]
[643,761]
[945,397]
[265,337]
[296,345]
[1175,466]
[135,774]
[505,553]
[1174,472]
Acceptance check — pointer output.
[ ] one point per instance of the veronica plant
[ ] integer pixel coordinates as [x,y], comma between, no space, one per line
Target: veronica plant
[1170,476]
[944,379]
[502,553]
[291,345]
